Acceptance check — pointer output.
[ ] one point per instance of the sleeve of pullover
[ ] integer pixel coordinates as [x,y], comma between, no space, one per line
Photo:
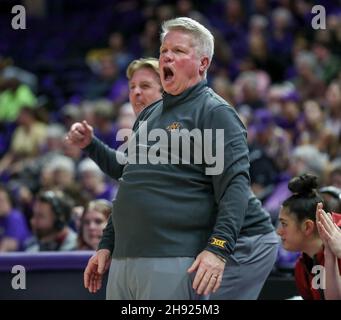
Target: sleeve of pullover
[109,160]
[231,183]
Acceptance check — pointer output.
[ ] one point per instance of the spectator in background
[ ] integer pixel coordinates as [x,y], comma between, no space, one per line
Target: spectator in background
[333,108]
[281,36]
[118,50]
[92,224]
[54,140]
[222,86]
[261,58]
[313,129]
[330,63]
[9,71]
[13,225]
[59,173]
[299,232]
[334,176]
[185,8]
[28,139]
[264,143]
[308,159]
[258,25]
[106,81]
[308,81]
[126,117]
[332,198]
[53,147]
[69,114]
[149,39]
[251,88]
[13,97]
[303,159]
[51,215]
[92,181]
[289,114]
[104,126]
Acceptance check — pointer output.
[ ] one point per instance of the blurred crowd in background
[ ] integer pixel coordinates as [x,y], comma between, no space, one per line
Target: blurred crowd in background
[282,76]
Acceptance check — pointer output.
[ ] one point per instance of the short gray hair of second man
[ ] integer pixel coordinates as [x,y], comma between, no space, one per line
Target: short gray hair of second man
[201,35]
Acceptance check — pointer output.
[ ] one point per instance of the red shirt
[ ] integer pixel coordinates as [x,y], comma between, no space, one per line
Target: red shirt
[303,271]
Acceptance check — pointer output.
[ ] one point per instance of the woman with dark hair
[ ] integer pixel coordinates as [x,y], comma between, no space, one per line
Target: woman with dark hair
[299,232]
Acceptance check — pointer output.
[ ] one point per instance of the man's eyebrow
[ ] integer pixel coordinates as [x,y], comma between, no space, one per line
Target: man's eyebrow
[174,46]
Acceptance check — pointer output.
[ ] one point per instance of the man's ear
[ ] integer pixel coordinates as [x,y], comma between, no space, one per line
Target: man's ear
[204,62]
[308,227]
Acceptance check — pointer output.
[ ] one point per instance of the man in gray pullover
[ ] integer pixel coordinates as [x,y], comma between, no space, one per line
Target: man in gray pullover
[182,211]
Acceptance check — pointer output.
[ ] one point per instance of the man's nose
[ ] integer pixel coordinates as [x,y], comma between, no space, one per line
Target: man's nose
[167,56]
[137,91]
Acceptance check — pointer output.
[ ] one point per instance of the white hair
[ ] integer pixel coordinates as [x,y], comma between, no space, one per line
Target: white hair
[55,131]
[282,13]
[315,161]
[60,162]
[88,165]
[201,35]
[258,20]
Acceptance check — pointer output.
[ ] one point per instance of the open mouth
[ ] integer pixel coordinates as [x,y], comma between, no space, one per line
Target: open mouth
[139,103]
[168,74]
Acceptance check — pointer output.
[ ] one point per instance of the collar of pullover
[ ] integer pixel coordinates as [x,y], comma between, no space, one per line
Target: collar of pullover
[170,100]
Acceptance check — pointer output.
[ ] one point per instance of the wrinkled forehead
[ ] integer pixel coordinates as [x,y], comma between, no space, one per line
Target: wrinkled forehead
[145,73]
[179,36]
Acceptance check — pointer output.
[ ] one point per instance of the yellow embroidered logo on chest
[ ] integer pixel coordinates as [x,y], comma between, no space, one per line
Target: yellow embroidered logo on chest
[218,243]
[174,126]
